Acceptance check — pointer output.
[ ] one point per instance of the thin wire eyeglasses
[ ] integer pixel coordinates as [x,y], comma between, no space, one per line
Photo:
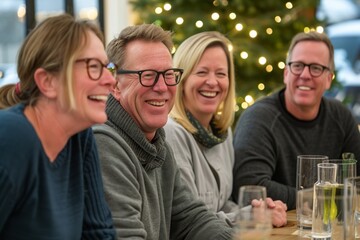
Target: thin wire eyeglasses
[315,69]
[149,77]
[95,67]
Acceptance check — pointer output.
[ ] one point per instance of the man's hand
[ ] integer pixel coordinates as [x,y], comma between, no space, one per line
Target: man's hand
[278,212]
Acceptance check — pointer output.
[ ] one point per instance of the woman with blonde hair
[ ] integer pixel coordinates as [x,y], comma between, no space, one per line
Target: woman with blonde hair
[51,186]
[199,127]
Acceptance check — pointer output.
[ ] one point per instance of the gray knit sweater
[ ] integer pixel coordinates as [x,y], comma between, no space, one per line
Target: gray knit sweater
[143,186]
[268,139]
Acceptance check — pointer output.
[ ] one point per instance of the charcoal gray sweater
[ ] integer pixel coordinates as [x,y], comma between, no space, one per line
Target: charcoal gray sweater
[143,186]
[268,139]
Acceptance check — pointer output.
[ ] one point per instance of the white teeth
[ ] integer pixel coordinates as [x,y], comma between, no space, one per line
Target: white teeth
[304,88]
[99,97]
[155,103]
[208,94]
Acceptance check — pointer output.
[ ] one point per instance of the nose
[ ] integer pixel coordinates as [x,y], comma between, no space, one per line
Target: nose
[211,80]
[306,72]
[160,85]
[108,78]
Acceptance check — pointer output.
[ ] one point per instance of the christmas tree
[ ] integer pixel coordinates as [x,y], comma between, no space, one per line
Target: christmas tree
[260,32]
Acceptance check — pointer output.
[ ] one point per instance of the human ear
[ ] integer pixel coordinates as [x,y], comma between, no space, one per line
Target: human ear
[46,83]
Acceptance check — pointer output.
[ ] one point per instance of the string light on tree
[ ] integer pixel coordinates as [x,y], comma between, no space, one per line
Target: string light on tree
[244,55]
[281,65]
[262,60]
[278,19]
[289,5]
[232,16]
[179,20]
[158,10]
[261,86]
[167,6]
[239,27]
[260,32]
[215,16]
[199,24]
[253,34]
[269,68]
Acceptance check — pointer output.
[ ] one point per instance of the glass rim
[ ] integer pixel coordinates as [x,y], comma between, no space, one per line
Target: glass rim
[341,161]
[313,156]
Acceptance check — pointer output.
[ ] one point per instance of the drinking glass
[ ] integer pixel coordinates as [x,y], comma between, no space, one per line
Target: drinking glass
[352,208]
[346,168]
[306,177]
[253,223]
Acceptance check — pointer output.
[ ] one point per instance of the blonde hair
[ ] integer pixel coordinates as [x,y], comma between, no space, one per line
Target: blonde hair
[53,46]
[116,49]
[187,57]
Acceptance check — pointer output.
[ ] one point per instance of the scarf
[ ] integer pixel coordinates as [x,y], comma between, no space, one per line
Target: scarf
[205,137]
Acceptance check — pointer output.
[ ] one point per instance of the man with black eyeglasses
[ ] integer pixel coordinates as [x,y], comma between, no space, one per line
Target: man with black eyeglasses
[142,182]
[296,120]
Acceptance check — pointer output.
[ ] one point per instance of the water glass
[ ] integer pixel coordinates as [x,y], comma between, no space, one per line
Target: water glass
[252,223]
[306,176]
[346,168]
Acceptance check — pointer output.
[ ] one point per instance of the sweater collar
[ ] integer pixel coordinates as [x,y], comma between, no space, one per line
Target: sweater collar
[150,154]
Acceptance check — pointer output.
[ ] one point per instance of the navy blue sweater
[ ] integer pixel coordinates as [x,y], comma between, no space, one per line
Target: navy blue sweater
[40,199]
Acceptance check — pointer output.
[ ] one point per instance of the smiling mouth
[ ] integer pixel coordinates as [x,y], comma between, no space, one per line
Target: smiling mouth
[156,103]
[304,88]
[99,98]
[208,94]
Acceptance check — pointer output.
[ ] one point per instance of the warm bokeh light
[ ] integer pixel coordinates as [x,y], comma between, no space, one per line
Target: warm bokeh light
[281,65]
[244,105]
[179,20]
[289,5]
[232,16]
[269,31]
[253,34]
[249,99]
[261,86]
[320,29]
[21,12]
[158,10]
[215,16]
[199,24]
[262,60]
[167,6]
[269,68]
[278,19]
[244,55]
[239,27]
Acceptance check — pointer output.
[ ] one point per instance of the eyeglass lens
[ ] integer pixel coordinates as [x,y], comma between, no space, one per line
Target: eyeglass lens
[95,68]
[149,78]
[298,67]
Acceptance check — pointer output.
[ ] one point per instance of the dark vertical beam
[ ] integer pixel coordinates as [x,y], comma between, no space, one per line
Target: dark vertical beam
[101,15]
[69,7]
[30,16]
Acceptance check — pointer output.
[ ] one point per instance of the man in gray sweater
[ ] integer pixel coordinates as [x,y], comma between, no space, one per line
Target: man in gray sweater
[142,181]
[294,121]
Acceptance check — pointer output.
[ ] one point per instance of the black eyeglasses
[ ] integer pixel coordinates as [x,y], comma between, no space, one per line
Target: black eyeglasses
[95,67]
[315,69]
[149,77]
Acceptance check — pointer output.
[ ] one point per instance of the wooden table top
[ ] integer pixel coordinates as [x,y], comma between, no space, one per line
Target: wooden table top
[289,231]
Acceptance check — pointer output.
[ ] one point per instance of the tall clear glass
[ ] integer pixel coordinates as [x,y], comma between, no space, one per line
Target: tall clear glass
[306,176]
[352,208]
[346,168]
[324,209]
